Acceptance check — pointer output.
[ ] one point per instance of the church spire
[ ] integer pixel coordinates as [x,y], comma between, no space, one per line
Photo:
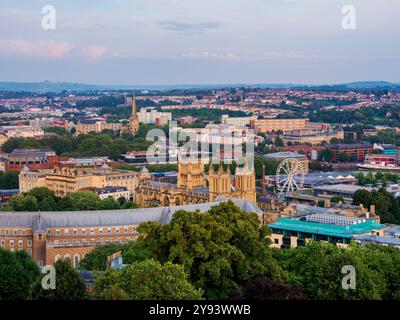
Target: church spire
[134,113]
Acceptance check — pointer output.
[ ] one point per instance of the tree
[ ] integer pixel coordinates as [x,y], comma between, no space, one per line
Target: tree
[363,197]
[337,199]
[18,272]
[317,270]
[133,251]
[9,180]
[278,142]
[97,258]
[344,157]
[261,288]
[108,204]
[147,280]
[69,285]
[219,248]
[83,200]
[24,202]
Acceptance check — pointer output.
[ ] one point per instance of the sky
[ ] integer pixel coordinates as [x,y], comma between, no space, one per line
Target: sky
[166,42]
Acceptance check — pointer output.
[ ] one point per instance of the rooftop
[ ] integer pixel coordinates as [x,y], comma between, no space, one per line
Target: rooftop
[285,155]
[343,188]
[76,219]
[341,231]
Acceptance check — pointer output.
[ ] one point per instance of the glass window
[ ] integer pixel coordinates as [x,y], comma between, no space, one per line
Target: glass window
[29,242]
[66,231]
[92,231]
[75,231]
[20,243]
[58,232]
[11,243]
[49,232]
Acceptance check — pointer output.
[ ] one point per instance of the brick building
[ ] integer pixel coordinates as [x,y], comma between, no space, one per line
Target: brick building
[49,236]
[33,159]
[356,151]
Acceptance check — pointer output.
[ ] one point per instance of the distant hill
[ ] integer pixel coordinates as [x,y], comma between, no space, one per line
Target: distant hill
[57,87]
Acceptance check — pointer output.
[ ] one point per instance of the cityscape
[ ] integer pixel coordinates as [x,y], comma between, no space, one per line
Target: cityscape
[225,190]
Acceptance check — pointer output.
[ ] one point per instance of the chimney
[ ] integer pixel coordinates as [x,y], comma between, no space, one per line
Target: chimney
[263,180]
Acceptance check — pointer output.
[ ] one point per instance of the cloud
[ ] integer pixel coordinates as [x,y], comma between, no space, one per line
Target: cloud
[206,54]
[38,49]
[188,27]
[94,51]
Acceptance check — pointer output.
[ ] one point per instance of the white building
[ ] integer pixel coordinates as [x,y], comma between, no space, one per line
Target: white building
[152,116]
[236,121]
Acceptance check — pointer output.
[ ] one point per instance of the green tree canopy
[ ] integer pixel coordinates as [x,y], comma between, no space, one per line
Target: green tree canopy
[219,248]
[69,285]
[147,280]
[18,272]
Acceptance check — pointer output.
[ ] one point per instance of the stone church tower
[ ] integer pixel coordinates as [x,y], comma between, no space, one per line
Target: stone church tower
[134,119]
[245,183]
[219,183]
[191,175]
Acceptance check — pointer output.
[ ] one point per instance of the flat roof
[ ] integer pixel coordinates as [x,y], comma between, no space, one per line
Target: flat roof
[285,155]
[290,224]
[342,188]
[379,239]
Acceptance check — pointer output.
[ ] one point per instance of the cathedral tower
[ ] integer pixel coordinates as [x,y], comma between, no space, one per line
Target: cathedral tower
[191,174]
[219,182]
[245,183]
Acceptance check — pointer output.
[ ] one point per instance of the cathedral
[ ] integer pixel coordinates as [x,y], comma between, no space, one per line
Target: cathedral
[195,186]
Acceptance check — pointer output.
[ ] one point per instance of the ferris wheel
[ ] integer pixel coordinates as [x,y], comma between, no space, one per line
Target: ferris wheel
[290,175]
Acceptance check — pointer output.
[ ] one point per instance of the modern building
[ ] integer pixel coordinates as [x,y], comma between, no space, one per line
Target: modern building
[236,121]
[346,191]
[311,136]
[269,125]
[320,224]
[357,151]
[152,116]
[49,236]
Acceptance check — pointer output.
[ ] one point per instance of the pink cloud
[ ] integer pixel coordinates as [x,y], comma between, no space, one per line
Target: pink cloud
[94,51]
[39,49]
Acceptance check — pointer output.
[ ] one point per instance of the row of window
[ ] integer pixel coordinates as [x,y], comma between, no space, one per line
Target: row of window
[83,231]
[11,243]
[76,241]
[15,232]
